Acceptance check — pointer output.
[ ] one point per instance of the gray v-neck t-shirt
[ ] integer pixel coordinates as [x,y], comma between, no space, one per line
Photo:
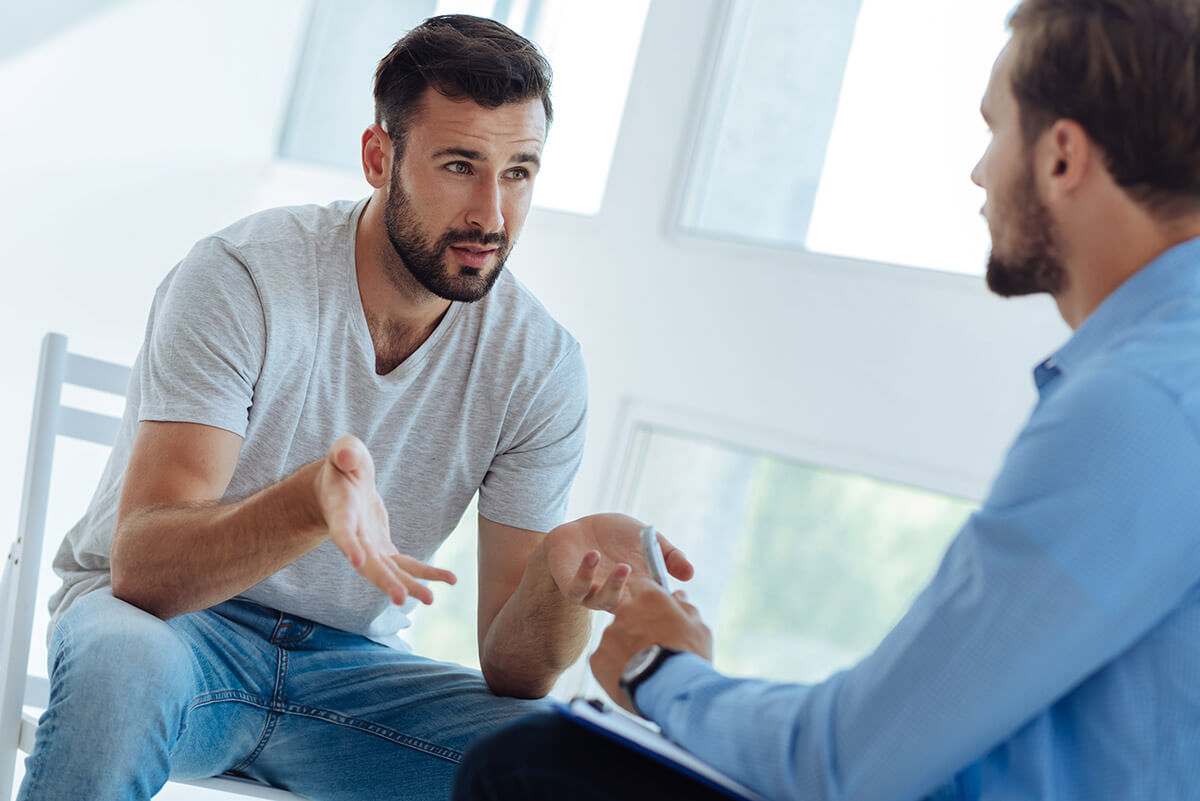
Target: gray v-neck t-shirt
[260,331]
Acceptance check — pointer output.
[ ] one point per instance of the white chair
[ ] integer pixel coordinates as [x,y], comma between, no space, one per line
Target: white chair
[18,587]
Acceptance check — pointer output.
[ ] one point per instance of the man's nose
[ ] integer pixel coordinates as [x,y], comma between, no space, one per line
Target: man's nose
[485,212]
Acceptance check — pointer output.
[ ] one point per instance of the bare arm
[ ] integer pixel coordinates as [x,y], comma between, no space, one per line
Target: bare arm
[177,549]
[535,592]
[529,633]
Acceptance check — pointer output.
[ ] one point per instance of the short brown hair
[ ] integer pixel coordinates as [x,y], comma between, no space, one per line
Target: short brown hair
[458,55]
[1128,71]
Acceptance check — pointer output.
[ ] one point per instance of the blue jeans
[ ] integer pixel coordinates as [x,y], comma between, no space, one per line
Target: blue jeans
[243,689]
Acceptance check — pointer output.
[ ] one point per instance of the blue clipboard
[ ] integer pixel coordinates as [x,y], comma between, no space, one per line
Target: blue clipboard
[640,737]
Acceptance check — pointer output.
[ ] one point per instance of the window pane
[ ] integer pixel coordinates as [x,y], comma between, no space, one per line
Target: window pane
[591,47]
[851,128]
[445,630]
[801,570]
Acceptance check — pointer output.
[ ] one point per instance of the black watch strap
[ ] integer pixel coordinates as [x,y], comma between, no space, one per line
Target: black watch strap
[641,667]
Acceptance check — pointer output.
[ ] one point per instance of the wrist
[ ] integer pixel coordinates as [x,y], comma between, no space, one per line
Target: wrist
[640,668]
[538,577]
[307,499]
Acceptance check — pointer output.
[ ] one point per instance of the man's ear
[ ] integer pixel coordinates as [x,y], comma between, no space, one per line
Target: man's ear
[1066,154]
[376,156]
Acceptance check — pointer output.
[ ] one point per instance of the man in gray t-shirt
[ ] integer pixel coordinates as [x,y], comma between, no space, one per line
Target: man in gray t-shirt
[320,393]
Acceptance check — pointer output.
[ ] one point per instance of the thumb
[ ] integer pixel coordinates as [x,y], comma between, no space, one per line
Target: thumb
[349,456]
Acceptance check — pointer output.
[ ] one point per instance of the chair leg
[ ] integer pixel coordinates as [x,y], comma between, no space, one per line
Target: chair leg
[10,730]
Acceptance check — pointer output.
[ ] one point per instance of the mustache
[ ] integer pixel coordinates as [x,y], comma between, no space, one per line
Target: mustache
[473,237]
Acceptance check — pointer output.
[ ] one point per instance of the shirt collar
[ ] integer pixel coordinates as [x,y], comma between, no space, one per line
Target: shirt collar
[1169,275]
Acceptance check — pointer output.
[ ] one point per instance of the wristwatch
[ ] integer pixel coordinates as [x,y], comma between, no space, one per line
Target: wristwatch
[641,667]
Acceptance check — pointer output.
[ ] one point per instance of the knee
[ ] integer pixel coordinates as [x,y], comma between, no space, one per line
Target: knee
[105,644]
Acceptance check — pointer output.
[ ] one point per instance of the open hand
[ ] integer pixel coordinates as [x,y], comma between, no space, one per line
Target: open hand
[592,558]
[358,525]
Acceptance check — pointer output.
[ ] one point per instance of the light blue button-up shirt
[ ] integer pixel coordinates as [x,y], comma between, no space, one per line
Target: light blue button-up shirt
[1056,653]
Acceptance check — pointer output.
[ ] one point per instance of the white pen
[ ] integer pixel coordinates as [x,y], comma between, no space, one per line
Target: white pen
[654,557]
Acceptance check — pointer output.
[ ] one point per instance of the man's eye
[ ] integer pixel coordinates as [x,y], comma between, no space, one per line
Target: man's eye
[519,173]
[459,167]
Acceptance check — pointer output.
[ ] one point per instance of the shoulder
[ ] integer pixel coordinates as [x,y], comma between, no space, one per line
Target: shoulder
[277,253]
[1126,417]
[1160,352]
[516,321]
[287,227]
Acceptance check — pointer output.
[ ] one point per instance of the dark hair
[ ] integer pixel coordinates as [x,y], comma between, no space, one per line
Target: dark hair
[458,56]
[1128,71]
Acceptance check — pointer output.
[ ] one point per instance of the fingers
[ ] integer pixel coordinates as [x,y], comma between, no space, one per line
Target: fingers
[583,588]
[580,587]
[609,594]
[681,598]
[400,577]
[646,595]
[396,575]
[419,569]
[678,565]
[397,585]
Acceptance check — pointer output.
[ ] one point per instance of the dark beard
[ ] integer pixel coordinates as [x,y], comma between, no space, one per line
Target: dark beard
[1036,265]
[427,262]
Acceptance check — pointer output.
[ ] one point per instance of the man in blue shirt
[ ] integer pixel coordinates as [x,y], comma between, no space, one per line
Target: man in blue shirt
[1055,654]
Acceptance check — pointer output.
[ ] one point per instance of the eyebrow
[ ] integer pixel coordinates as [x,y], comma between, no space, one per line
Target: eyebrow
[475,155]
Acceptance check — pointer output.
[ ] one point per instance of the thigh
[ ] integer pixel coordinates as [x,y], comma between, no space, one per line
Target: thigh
[544,757]
[236,671]
[372,722]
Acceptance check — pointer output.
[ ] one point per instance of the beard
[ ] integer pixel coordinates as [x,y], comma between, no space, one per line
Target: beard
[427,261]
[1033,264]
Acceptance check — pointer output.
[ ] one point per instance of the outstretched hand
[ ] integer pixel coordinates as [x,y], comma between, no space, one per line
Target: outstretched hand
[358,525]
[593,558]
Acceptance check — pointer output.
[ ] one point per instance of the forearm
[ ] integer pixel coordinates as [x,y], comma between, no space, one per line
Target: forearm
[175,558]
[536,635]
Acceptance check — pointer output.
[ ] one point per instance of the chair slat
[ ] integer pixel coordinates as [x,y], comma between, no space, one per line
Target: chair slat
[92,373]
[87,426]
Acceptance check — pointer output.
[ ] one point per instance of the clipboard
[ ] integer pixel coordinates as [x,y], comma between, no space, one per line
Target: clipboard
[642,738]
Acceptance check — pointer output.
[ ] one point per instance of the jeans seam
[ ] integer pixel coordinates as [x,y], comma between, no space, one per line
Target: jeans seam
[416,744]
[272,711]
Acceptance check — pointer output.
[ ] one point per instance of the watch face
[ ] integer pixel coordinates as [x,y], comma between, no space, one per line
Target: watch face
[640,661]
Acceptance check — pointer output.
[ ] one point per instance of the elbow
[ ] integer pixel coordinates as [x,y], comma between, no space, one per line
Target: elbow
[126,586]
[506,685]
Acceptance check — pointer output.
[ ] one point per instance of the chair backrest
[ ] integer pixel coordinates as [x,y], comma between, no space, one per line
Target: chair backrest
[18,586]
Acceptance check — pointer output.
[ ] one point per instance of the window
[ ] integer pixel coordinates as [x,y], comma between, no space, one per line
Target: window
[850,128]
[446,629]
[591,48]
[800,570]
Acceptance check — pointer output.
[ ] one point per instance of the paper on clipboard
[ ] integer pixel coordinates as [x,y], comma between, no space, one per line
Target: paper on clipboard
[648,741]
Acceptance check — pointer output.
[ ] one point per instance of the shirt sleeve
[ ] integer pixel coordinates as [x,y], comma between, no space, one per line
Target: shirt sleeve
[1086,541]
[205,342]
[528,483]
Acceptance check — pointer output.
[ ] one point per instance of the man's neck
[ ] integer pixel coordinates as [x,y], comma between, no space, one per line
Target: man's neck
[1110,253]
[400,312]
